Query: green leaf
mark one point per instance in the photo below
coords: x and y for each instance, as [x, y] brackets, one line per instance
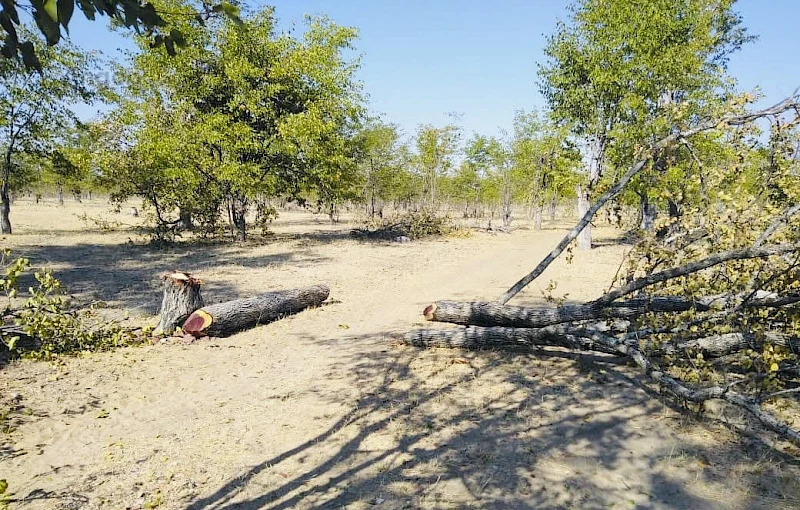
[65, 10]
[10, 10]
[3, 486]
[51, 8]
[47, 25]
[169, 45]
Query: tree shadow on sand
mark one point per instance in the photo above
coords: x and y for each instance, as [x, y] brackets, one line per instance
[529, 430]
[128, 275]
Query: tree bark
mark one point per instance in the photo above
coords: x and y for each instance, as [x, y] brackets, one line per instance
[494, 314]
[5, 199]
[224, 319]
[717, 346]
[585, 235]
[237, 207]
[537, 216]
[647, 213]
[181, 298]
[477, 337]
[5, 212]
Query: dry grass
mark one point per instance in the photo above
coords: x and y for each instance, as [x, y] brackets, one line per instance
[325, 410]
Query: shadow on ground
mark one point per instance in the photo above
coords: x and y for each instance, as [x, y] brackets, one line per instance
[448, 429]
[128, 275]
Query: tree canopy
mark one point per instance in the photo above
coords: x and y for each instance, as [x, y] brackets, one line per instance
[53, 17]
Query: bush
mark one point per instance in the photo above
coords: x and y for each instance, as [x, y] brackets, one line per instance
[414, 225]
[42, 326]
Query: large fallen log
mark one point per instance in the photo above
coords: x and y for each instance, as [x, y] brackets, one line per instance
[181, 298]
[494, 314]
[226, 318]
[477, 337]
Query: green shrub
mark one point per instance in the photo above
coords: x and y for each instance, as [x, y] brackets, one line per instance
[414, 225]
[43, 326]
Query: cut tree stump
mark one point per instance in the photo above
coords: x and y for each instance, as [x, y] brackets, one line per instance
[181, 298]
[226, 318]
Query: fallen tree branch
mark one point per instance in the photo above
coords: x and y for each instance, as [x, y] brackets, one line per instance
[716, 346]
[476, 337]
[693, 267]
[790, 103]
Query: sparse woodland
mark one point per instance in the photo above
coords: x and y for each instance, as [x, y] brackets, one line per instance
[219, 125]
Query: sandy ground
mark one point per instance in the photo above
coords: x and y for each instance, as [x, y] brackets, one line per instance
[325, 410]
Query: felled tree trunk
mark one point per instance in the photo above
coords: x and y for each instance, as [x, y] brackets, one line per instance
[493, 314]
[181, 298]
[226, 318]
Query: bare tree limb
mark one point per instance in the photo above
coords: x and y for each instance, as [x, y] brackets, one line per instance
[790, 103]
[779, 222]
[699, 265]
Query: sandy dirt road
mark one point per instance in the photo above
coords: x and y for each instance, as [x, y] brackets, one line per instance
[325, 410]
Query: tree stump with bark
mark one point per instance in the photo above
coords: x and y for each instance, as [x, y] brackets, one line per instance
[181, 298]
[224, 319]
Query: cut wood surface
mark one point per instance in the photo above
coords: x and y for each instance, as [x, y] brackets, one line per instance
[223, 319]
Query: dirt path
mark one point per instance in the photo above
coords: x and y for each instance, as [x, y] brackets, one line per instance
[322, 410]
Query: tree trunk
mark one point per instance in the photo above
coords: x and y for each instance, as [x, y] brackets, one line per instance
[647, 213]
[237, 206]
[181, 298]
[585, 237]
[60, 195]
[507, 200]
[674, 208]
[333, 212]
[5, 211]
[553, 205]
[224, 319]
[494, 314]
[185, 221]
[537, 216]
[372, 201]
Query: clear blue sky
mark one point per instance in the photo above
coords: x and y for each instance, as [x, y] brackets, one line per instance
[422, 59]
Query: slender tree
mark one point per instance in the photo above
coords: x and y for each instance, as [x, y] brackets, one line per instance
[36, 108]
[436, 149]
[622, 68]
